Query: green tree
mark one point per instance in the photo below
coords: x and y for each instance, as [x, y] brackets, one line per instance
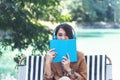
[19, 20]
[90, 11]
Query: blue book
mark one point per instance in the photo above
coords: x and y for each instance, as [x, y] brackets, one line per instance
[64, 47]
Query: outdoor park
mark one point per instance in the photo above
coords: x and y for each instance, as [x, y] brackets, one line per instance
[26, 28]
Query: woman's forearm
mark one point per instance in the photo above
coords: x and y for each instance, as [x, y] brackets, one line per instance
[47, 69]
[48, 74]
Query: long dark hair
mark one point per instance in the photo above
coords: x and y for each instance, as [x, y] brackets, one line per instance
[67, 28]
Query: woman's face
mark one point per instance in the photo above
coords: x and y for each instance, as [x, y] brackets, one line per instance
[61, 34]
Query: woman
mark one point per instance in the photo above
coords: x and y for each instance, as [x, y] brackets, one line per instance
[64, 70]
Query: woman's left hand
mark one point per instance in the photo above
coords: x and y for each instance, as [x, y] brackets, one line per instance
[66, 64]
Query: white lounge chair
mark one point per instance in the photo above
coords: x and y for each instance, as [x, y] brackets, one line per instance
[99, 67]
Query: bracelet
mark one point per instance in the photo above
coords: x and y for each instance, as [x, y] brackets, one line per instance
[71, 72]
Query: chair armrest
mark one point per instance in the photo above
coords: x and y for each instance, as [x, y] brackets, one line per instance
[20, 60]
[109, 60]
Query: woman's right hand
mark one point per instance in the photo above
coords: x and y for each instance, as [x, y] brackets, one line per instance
[50, 55]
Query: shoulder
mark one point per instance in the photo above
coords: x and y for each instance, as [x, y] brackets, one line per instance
[80, 55]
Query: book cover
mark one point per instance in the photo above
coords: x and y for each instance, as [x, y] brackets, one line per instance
[64, 47]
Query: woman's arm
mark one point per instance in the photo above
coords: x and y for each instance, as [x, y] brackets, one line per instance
[48, 74]
[47, 70]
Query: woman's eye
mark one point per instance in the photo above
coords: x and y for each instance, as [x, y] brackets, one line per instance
[59, 34]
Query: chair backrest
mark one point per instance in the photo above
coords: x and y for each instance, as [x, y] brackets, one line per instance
[96, 67]
[33, 70]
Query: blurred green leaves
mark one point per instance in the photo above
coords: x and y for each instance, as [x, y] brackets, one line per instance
[20, 20]
[91, 11]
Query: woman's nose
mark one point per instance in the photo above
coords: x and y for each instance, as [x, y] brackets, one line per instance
[63, 37]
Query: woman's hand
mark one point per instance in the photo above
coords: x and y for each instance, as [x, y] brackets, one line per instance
[50, 55]
[66, 64]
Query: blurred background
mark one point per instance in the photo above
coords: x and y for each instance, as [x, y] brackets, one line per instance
[26, 27]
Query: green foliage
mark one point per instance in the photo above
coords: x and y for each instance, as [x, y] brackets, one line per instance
[19, 19]
[90, 11]
[66, 17]
[0, 53]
